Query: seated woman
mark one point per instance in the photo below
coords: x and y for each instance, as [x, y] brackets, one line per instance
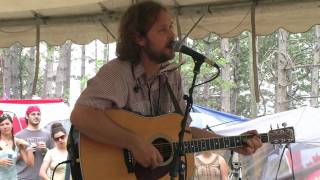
[10, 148]
[56, 155]
[209, 165]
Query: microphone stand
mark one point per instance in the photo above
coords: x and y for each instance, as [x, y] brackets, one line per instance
[177, 165]
[236, 167]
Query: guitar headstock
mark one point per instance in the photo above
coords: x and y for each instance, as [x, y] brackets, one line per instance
[282, 135]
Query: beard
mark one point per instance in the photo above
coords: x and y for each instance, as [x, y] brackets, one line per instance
[157, 56]
[33, 123]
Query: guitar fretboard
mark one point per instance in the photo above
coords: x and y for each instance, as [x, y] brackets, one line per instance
[198, 145]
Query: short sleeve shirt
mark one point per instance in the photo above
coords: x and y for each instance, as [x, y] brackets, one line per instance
[119, 84]
[32, 173]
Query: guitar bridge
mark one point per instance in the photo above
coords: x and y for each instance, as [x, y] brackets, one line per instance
[129, 161]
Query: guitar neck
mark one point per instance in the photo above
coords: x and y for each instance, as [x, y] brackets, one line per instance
[198, 145]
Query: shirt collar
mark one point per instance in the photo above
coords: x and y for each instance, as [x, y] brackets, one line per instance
[165, 67]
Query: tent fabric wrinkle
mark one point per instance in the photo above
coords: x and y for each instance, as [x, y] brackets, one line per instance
[80, 20]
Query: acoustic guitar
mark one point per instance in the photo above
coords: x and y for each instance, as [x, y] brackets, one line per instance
[102, 161]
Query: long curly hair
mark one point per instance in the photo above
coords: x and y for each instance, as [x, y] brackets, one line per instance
[8, 117]
[137, 20]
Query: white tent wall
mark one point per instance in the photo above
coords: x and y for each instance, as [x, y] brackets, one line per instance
[84, 20]
[264, 163]
[50, 112]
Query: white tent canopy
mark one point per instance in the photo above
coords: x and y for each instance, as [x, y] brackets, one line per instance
[84, 20]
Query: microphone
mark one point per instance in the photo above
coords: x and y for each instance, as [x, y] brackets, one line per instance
[178, 47]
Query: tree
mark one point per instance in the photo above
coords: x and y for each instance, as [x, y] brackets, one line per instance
[83, 66]
[225, 76]
[282, 81]
[49, 75]
[315, 70]
[63, 72]
[236, 77]
[253, 103]
[30, 67]
[11, 71]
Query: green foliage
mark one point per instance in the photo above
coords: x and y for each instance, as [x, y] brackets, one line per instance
[83, 81]
[23, 73]
[66, 95]
[300, 53]
[99, 63]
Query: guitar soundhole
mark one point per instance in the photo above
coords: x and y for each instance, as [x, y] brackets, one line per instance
[164, 147]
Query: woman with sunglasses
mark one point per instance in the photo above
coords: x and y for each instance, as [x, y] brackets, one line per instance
[11, 149]
[56, 155]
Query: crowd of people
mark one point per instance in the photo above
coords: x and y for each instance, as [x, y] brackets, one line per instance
[34, 153]
[29, 154]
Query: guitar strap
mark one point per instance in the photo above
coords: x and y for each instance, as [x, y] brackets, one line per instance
[73, 153]
[174, 99]
[67, 173]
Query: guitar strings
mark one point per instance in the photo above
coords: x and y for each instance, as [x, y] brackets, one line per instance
[165, 148]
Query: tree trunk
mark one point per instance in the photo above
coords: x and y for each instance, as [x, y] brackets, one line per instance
[225, 76]
[30, 67]
[6, 74]
[253, 103]
[49, 75]
[67, 74]
[106, 53]
[236, 77]
[63, 71]
[12, 71]
[315, 70]
[1, 74]
[282, 82]
[96, 55]
[83, 66]
[206, 86]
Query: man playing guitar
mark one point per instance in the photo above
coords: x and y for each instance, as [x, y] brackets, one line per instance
[133, 82]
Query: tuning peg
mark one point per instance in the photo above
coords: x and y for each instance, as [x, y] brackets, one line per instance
[284, 124]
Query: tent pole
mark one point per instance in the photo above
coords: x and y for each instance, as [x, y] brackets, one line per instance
[254, 50]
[179, 36]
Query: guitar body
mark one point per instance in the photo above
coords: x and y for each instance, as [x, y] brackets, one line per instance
[103, 161]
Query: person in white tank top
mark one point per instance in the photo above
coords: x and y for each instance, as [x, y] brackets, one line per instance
[209, 166]
[56, 155]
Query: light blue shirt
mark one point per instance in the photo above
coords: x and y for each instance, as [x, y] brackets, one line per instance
[9, 173]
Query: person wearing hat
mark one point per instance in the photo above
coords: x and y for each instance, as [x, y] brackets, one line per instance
[40, 141]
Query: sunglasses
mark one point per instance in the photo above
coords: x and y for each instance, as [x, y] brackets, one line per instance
[58, 138]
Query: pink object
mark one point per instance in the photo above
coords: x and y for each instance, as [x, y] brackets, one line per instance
[18, 124]
[32, 109]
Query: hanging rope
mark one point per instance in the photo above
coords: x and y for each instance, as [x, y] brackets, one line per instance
[192, 28]
[179, 35]
[254, 50]
[108, 30]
